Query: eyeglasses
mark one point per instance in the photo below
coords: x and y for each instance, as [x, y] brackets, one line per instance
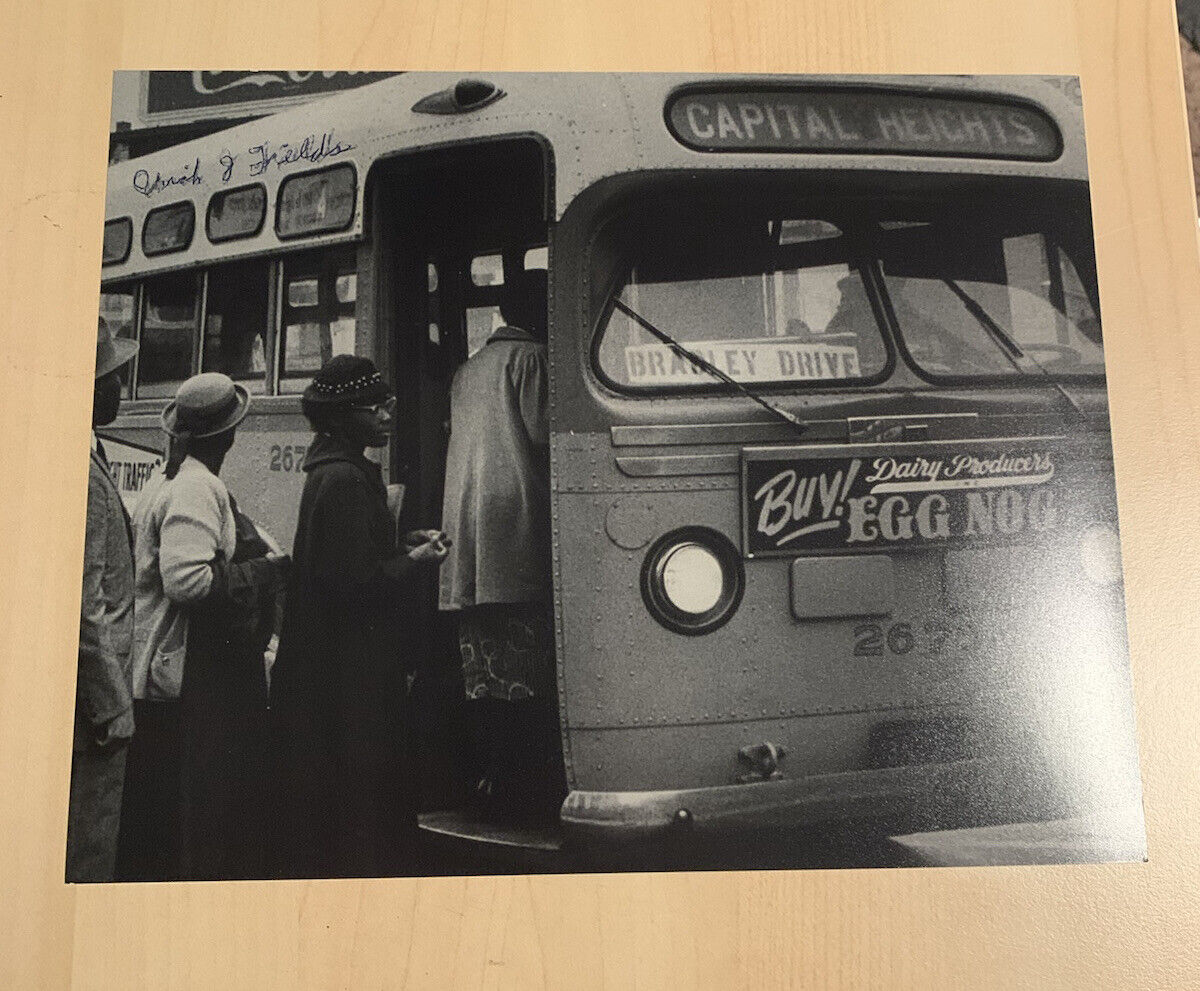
[387, 406]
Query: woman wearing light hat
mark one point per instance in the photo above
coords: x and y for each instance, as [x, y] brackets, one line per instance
[206, 580]
[346, 802]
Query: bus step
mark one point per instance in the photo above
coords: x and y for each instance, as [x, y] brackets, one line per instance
[462, 825]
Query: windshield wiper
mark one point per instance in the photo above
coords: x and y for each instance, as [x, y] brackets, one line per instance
[1011, 349]
[706, 366]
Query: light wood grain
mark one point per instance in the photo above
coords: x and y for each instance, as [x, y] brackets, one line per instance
[1129, 926]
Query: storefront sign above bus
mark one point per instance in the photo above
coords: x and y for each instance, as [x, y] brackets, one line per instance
[858, 122]
[911, 496]
[202, 93]
[744, 361]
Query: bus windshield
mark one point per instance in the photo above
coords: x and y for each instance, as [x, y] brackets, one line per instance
[990, 303]
[784, 303]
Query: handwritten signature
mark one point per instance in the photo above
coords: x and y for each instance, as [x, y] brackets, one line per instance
[148, 185]
[312, 149]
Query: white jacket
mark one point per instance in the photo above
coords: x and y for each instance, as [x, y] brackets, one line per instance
[179, 527]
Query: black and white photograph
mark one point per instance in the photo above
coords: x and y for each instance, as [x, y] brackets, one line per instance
[511, 473]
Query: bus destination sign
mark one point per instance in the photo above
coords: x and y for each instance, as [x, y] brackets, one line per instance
[762, 360]
[858, 122]
[911, 497]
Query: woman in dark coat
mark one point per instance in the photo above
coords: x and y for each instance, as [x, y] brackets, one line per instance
[346, 803]
[223, 714]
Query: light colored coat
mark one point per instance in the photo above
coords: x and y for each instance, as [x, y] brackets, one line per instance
[496, 507]
[179, 527]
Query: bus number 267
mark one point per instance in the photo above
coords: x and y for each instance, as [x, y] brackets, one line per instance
[287, 457]
[876, 639]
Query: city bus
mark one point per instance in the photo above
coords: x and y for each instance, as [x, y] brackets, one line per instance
[833, 517]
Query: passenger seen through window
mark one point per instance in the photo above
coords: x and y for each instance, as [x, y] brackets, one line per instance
[235, 324]
[168, 334]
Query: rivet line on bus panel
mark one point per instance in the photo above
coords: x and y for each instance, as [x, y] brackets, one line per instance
[634, 129]
[625, 486]
[560, 640]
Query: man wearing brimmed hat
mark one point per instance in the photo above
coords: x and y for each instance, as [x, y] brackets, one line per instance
[185, 536]
[103, 692]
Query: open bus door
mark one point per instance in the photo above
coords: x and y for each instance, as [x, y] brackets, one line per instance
[454, 228]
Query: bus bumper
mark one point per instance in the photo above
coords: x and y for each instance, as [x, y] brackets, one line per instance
[984, 790]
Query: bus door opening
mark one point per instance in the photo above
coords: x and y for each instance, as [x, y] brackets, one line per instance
[459, 229]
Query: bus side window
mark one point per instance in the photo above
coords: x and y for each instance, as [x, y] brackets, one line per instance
[235, 323]
[482, 322]
[487, 281]
[118, 309]
[319, 295]
[168, 344]
[483, 313]
[433, 303]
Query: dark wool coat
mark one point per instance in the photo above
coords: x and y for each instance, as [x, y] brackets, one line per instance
[223, 716]
[345, 802]
[194, 805]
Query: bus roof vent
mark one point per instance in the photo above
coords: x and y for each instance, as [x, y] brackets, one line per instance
[463, 97]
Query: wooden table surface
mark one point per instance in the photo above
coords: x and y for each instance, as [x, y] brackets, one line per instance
[1121, 926]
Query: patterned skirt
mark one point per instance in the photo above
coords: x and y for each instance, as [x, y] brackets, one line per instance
[507, 650]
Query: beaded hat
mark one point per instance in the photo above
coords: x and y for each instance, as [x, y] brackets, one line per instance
[347, 379]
